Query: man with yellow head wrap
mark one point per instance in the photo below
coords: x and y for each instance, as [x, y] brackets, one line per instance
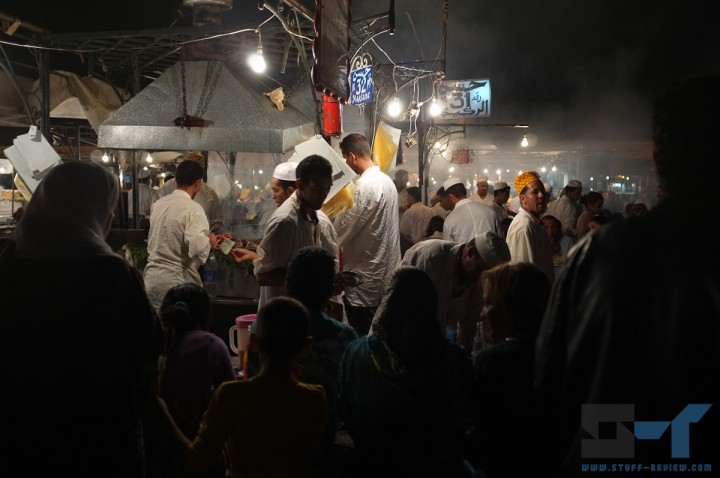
[526, 236]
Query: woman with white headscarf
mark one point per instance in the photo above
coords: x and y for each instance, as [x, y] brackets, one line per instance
[79, 342]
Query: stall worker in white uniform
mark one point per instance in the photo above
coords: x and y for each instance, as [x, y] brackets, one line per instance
[206, 197]
[283, 182]
[298, 222]
[179, 240]
[146, 196]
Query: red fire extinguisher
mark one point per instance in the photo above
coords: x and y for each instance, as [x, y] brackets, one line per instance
[332, 121]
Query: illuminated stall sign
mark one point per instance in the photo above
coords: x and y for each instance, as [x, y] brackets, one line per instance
[465, 98]
[361, 79]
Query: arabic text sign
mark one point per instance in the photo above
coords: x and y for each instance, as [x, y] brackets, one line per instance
[465, 97]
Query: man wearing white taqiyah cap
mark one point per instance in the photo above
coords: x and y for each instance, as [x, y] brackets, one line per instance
[501, 195]
[455, 269]
[296, 223]
[567, 208]
[483, 192]
[146, 197]
[467, 218]
[283, 181]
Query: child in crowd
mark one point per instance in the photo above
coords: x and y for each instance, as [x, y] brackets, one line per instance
[270, 414]
[194, 363]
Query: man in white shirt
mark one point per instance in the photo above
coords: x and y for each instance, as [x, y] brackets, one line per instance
[298, 222]
[146, 197]
[368, 232]
[567, 208]
[526, 236]
[455, 269]
[415, 219]
[501, 194]
[468, 218]
[284, 181]
[179, 240]
[401, 180]
[207, 198]
[438, 204]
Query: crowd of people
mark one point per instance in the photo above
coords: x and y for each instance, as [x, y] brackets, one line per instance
[588, 321]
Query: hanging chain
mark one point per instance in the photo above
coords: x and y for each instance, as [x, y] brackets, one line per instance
[212, 73]
[297, 85]
[182, 76]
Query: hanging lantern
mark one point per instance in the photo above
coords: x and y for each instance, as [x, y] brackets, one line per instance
[332, 121]
[461, 155]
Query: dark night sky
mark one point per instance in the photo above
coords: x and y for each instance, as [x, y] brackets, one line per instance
[573, 67]
[576, 67]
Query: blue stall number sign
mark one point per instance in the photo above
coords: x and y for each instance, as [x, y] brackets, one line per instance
[361, 80]
[465, 97]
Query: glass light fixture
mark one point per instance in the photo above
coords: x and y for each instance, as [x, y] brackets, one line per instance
[105, 157]
[149, 158]
[524, 142]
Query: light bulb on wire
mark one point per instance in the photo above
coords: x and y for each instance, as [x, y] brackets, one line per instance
[524, 142]
[435, 108]
[105, 157]
[394, 108]
[149, 158]
[257, 60]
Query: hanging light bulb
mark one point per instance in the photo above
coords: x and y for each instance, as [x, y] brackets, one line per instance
[435, 108]
[524, 142]
[149, 158]
[257, 60]
[105, 157]
[394, 108]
